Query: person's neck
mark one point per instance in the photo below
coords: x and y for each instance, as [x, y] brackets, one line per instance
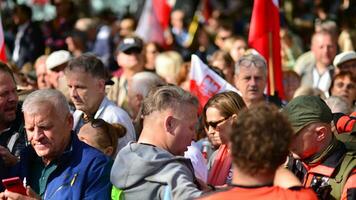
[243, 179]
[321, 68]
[146, 137]
[91, 112]
[250, 102]
[128, 73]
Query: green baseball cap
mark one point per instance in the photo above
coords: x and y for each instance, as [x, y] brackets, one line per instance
[304, 110]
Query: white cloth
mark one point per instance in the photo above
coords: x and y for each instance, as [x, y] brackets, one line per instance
[198, 161]
[19, 35]
[111, 113]
[322, 81]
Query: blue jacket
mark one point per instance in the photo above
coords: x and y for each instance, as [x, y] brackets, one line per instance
[82, 173]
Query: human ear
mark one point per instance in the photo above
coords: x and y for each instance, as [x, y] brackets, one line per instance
[108, 151]
[169, 124]
[321, 132]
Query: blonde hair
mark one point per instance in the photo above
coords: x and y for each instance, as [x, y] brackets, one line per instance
[168, 65]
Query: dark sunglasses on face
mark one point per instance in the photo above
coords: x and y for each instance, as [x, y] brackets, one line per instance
[216, 123]
[247, 63]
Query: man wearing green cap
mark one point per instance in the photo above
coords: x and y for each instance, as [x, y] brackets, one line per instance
[322, 162]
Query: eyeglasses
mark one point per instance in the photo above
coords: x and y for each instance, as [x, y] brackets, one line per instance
[98, 123]
[216, 123]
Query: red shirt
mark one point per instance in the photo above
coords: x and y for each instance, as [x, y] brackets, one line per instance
[262, 193]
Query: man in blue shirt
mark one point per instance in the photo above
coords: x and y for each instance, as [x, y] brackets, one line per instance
[57, 165]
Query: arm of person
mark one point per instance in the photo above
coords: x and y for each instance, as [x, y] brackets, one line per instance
[349, 190]
[98, 184]
[285, 178]
[9, 159]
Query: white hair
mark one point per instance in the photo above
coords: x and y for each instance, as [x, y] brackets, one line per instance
[338, 104]
[143, 82]
[253, 57]
[37, 98]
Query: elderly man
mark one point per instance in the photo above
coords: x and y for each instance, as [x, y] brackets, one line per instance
[86, 77]
[250, 79]
[56, 63]
[12, 133]
[323, 162]
[257, 154]
[41, 72]
[154, 168]
[346, 61]
[58, 165]
[138, 87]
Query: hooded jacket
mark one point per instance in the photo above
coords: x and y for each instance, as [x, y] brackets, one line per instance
[144, 171]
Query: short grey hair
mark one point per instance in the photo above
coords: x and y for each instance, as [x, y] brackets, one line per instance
[89, 63]
[143, 82]
[338, 104]
[254, 58]
[55, 98]
[165, 97]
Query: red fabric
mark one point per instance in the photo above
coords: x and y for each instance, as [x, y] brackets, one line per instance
[206, 9]
[263, 193]
[2, 45]
[204, 82]
[264, 37]
[221, 167]
[345, 124]
[162, 10]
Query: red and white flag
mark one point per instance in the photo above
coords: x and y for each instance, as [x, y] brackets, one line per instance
[204, 82]
[264, 37]
[2, 44]
[153, 21]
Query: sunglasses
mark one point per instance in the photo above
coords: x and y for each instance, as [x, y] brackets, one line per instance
[100, 123]
[216, 123]
[247, 63]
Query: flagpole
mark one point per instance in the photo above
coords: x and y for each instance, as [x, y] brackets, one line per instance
[270, 64]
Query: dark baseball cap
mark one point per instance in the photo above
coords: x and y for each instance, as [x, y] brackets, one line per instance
[304, 110]
[130, 43]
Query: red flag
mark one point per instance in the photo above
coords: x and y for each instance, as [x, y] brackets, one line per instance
[264, 37]
[204, 82]
[153, 21]
[2, 44]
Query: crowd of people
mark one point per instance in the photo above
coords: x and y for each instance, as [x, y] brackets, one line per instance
[91, 110]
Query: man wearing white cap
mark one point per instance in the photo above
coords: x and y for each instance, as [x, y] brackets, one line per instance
[346, 61]
[56, 62]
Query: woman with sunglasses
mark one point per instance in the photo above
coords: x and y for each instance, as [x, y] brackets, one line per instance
[218, 114]
[102, 135]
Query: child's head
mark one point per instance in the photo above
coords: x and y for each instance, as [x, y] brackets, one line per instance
[102, 135]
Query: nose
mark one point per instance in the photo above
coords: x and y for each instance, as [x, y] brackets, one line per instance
[210, 130]
[73, 92]
[252, 81]
[37, 134]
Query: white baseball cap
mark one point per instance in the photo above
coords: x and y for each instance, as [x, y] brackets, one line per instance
[57, 58]
[344, 57]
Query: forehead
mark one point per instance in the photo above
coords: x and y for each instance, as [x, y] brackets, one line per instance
[343, 79]
[251, 70]
[43, 111]
[212, 113]
[79, 74]
[322, 39]
[6, 80]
